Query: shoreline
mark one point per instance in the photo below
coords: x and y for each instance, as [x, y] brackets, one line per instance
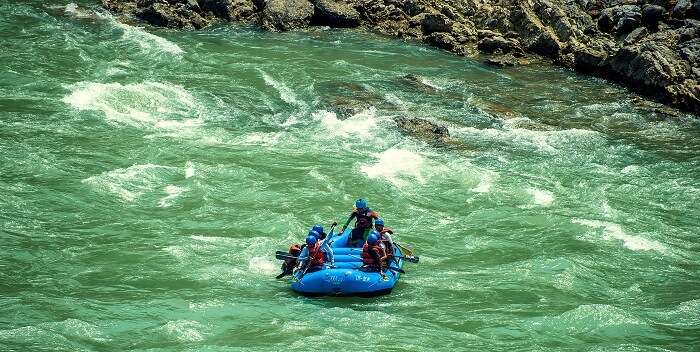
[652, 50]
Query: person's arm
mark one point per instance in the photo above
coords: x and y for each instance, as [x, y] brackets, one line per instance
[352, 216]
[326, 248]
[303, 256]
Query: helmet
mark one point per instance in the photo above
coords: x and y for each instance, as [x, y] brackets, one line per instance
[311, 240]
[314, 234]
[373, 237]
[360, 204]
[318, 228]
[379, 221]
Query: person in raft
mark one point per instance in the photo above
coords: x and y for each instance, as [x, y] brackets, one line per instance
[315, 254]
[385, 237]
[373, 255]
[288, 265]
[364, 217]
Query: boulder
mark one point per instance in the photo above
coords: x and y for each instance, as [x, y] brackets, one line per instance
[505, 60]
[422, 128]
[652, 15]
[682, 9]
[164, 15]
[443, 40]
[231, 10]
[620, 19]
[436, 22]
[635, 35]
[498, 44]
[335, 14]
[284, 15]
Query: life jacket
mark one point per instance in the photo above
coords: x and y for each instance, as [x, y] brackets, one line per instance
[289, 264]
[316, 255]
[364, 218]
[367, 258]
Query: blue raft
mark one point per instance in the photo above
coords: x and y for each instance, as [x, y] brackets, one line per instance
[347, 278]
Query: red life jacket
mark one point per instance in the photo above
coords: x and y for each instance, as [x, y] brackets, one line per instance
[367, 258]
[316, 255]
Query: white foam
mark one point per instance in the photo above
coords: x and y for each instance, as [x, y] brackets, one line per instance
[541, 197]
[429, 83]
[144, 104]
[614, 231]
[484, 185]
[147, 41]
[285, 92]
[394, 164]
[261, 265]
[360, 125]
[129, 183]
[72, 8]
[630, 169]
[189, 169]
[172, 193]
[185, 330]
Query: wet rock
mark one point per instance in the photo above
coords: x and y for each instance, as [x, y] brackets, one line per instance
[498, 44]
[335, 14]
[652, 15]
[285, 15]
[620, 19]
[443, 41]
[180, 16]
[682, 9]
[347, 99]
[422, 128]
[436, 23]
[505, 60]
[635, 35]
[230, 10]
[416, 82]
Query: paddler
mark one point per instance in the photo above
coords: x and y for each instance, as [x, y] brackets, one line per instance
[385, 237]
[364, 216]
[315, 254]
[373, 255]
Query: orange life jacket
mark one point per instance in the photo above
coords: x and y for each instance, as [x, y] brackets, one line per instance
[316, 255]
[367, 258]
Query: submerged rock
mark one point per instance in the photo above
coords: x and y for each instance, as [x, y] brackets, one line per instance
[422, 128]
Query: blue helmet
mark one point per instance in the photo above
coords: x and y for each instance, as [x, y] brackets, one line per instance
[311, 240]
[379, 221]
[373, 237]
[318, 228]
[361, 204]
[315, 234]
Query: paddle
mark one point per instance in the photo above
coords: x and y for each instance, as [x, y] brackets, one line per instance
[283, 256]
[404, 249]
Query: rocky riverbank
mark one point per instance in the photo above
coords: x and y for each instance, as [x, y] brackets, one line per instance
[653, 47]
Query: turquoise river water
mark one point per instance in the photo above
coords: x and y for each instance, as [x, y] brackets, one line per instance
[148, 176]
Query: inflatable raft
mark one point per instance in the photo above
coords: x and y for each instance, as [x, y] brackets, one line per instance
[348, 278]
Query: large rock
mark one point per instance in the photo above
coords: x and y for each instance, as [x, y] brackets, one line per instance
[335, 14]
[181, 15]
[231, 10]
[422, 128]
[652, 15]
[284, 15]
[436, 22]
[620, 19]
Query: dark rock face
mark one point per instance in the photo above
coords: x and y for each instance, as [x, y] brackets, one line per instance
[649, 45]
[284, 15]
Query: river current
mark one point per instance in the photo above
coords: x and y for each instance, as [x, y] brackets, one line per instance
[149, 175]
